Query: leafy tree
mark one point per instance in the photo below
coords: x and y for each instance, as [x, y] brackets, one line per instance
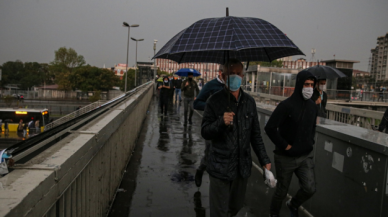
[12, 72]
[130, 80]
[25, 75]
[65, 62]
[89, 78]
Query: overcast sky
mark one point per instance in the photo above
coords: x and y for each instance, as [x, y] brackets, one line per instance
[32, 30]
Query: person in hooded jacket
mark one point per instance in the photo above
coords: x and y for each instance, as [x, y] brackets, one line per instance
[164, 95]
[291, 128]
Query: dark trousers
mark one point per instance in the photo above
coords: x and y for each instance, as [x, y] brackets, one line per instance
[188, 104]
[303, 167]
[381, 96]
[203, 164]
[164, 105]
[226, 197]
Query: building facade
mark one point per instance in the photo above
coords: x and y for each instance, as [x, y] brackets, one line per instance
[208, 70]
[300, 64]
[379, 59]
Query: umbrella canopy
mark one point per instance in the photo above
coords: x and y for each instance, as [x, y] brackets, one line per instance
[215, 40]
[184, 72]
[160, 79]
[326, 72]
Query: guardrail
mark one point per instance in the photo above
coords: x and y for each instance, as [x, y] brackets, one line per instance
[88, 108]
[354, 116]
[351, 165]
[79, 175]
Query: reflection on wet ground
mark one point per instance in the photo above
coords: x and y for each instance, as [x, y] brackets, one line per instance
[10, 138]
[160, 175]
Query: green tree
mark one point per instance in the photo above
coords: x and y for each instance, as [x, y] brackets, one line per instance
[130, 80]
[65, 62]
[90, 78]
[160, 72]
[12, 72]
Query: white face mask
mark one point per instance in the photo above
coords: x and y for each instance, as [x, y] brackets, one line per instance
[307, 92]
[322, 87]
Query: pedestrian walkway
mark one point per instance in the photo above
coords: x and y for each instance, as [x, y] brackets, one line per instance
[159, 179]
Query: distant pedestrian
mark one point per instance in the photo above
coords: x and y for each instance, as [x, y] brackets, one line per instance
[172, 88]
[230, 161]
[6, 121]
[320, 97]
[178, 90]
[164, 96]
[384, 122]
[381, 94]
[291, 128]
[190, 92]
[1, 125]
[20, 126]
[25, 129]
[37, 127]
[208, 90]
[31, 126]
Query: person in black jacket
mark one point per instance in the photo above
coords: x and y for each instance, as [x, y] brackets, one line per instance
[209, 89]
[384, 122]
[320, 97]
[164, 95]
[291, 128]
[178, 91]
[230, 161]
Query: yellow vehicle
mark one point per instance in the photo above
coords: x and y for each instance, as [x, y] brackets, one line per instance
[13, 116]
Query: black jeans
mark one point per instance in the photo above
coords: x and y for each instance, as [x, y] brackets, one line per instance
[188, 104]
[164, 105]
[226, 197]
[303, 167]
[203, 164]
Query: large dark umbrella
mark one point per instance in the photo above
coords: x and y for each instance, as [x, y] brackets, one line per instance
[215, 40]
[326, 72]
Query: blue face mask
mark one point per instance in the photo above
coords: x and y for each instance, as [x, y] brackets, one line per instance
[235, 82]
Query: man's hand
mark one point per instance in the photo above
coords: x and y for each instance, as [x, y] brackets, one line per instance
[195, 98]
[187, 83]
[318, 101]
[160, 87]
[267, 166]
[228, 117]
[288, 147]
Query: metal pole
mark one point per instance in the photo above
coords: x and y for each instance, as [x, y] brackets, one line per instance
[126, 66]
[136, 65]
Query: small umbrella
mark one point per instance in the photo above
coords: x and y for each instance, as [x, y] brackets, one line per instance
[326, 72]
[160, 79]
[184, 72]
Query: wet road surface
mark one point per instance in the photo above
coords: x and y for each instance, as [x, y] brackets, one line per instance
[159, 179]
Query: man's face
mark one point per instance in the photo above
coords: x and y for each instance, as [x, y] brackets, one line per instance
[322, 82]
[308, 83]
[233, 70]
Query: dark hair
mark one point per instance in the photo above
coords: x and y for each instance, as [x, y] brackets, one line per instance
[190, 73]
[232, 62]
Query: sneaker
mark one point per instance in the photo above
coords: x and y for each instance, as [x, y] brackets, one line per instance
[198, 178]
[293, 211]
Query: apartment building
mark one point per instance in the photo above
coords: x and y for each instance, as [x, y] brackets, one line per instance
[379, 59]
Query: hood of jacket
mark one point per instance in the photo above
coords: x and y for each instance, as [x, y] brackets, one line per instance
[300, 79]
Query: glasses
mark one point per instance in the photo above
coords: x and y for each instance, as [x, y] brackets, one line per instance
[308, 84]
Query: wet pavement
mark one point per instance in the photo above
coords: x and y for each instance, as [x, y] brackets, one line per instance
[159, 179]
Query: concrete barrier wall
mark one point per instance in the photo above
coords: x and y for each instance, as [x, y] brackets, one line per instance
[350, 167]
[79, 175]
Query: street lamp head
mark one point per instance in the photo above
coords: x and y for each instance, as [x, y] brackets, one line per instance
[155, 41]
[125, 24]
[141, 39]
[135, 25]
[133, 39]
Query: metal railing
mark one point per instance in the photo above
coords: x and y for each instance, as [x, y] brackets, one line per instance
[365, 118]
[88, 108]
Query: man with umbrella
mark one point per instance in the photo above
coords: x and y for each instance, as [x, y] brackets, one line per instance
[190, 92]
[231, 122]
[320, 97]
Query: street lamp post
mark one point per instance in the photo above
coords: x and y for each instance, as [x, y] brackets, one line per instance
[136, 57]
[155, 58]
[126, 67]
